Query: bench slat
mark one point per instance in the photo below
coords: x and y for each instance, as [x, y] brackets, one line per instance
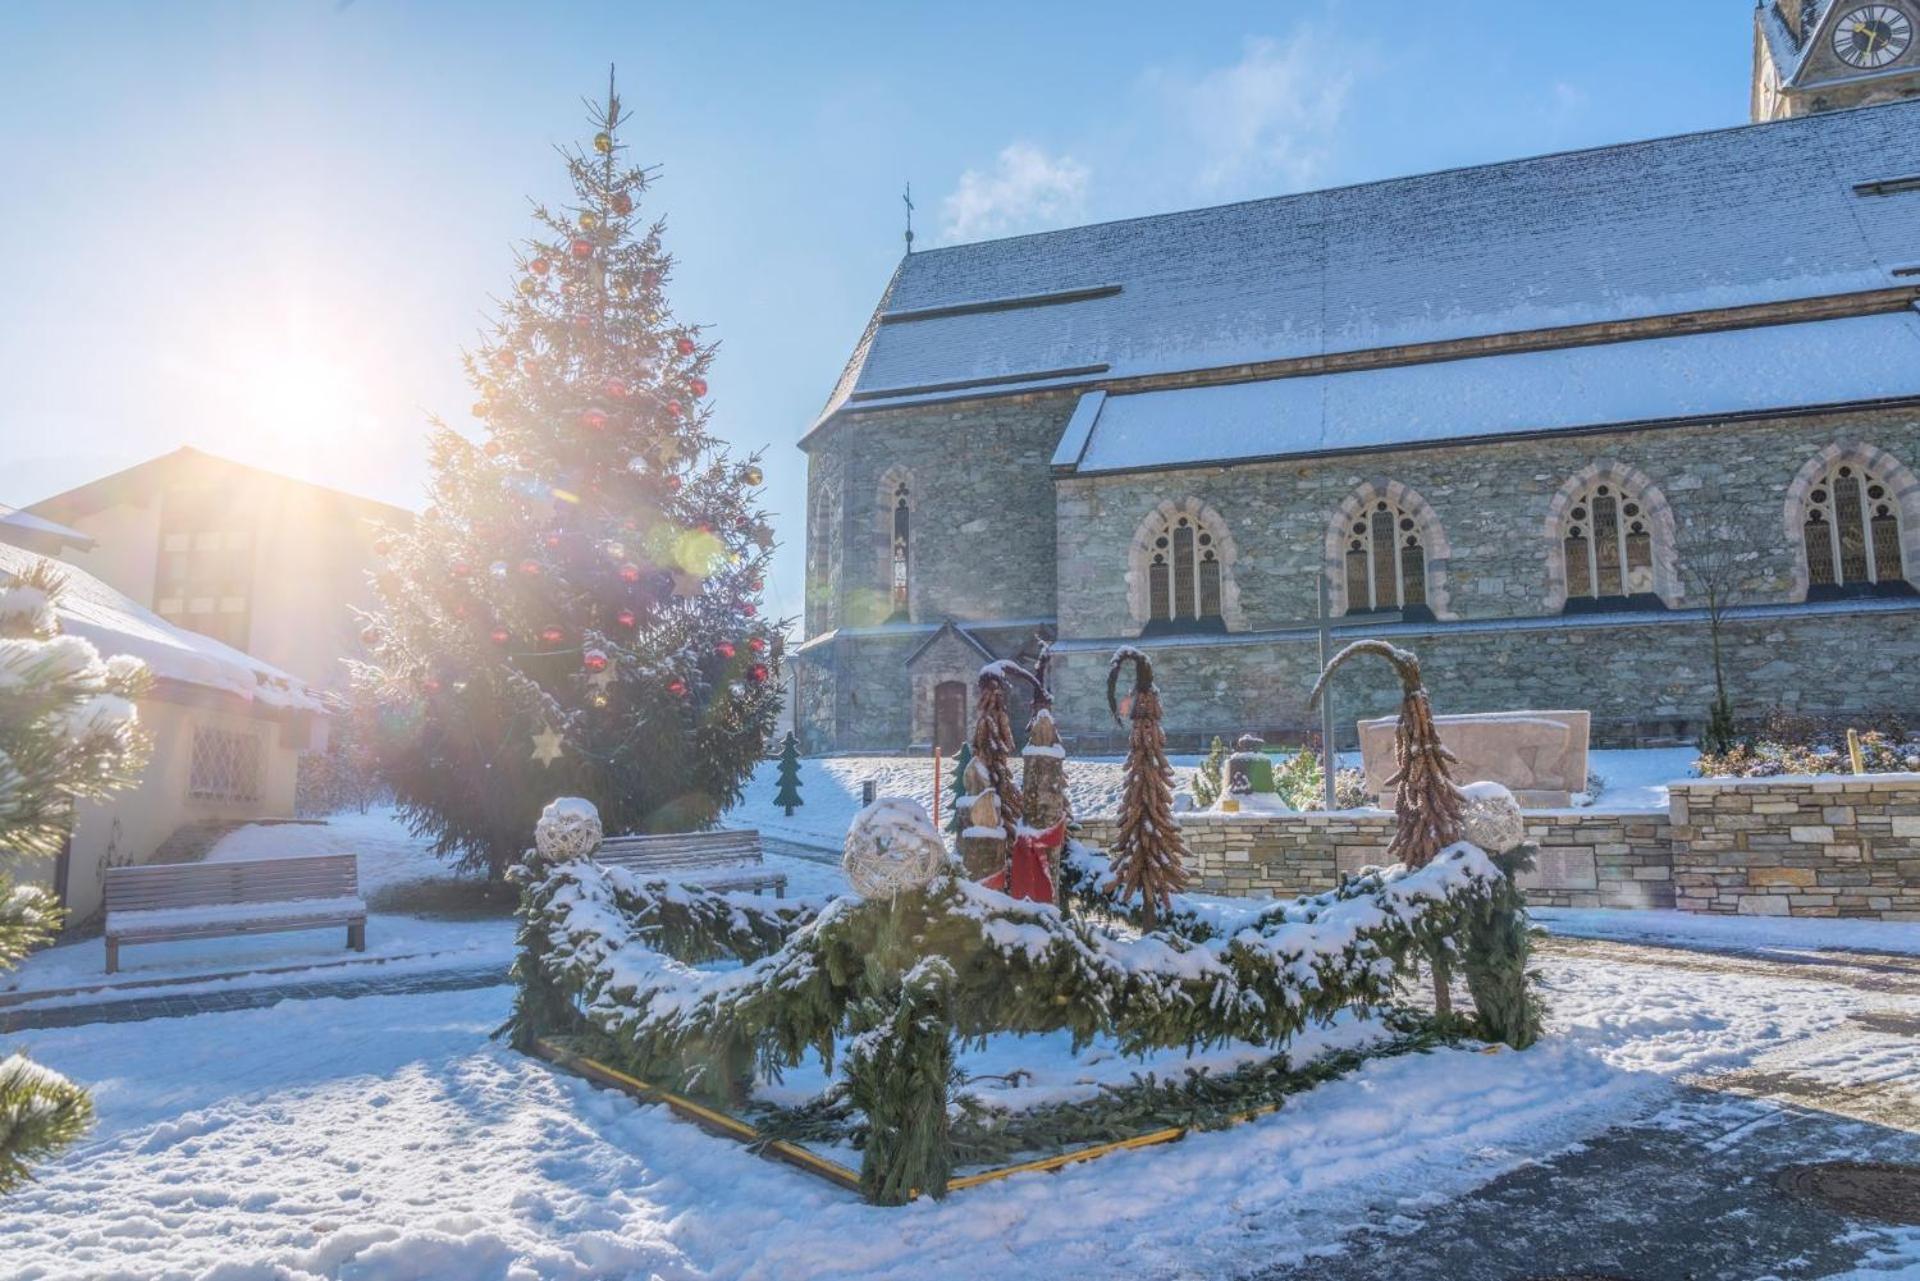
[722, 860]
[326, 879]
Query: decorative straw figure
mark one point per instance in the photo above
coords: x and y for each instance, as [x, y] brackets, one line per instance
[996, 800]
[1428, 808]
[1149, 855]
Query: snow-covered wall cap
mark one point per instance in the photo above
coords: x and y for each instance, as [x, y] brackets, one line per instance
[117, 625]
[1757, 214]
[1775, 780]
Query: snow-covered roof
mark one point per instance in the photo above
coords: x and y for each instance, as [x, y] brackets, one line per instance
[38, 528]
[117, 625]
[1758, 214]
[1713, 375]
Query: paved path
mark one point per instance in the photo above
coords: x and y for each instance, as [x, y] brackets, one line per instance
[1685, 1195]
[163, 1005]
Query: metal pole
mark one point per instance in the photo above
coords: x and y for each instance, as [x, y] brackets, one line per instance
[1326, 696]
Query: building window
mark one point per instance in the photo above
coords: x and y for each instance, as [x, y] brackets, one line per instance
[1852, 534]
[1607, 543]
[204, 580]
[1386, 561]
[1183, 578]
[902, 527]
[225, 767]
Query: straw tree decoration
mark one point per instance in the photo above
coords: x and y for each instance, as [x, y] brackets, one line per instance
[1427, 806]
[994, 796]
[1149, 856]
[1043, 779]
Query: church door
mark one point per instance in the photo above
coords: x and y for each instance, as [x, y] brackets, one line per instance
[949, 716]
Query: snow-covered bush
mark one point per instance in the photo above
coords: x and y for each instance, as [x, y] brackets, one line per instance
[1797, 744]
[1302, 784]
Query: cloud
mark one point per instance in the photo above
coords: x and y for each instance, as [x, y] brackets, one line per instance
[1027, 190]
[1270, 115]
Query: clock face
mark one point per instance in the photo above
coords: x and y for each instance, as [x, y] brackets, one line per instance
[1872, 36]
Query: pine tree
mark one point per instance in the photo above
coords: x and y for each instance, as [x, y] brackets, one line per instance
[1149, 854]
[1211, 777]
[68, 732]
[789, 797]
[576, 611]
[957, 785]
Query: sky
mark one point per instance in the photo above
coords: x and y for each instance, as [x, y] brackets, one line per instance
[267, 229]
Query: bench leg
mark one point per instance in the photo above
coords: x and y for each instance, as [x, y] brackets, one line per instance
[357, 937]
[113, 956]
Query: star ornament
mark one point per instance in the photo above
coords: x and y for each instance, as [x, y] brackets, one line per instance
[546, 746]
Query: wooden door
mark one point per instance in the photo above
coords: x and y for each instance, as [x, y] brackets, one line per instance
[949, 716]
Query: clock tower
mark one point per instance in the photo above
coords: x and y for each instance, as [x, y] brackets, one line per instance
[1821, 55]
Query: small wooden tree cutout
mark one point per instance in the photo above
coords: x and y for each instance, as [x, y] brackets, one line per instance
[1427, 805]
[1149, 854]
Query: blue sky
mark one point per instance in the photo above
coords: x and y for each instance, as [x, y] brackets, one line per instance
[266, 229]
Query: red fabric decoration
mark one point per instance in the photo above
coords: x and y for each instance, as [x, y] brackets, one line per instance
[1029, 871]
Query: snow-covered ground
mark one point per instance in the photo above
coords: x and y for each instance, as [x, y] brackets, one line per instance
[387, 1137]
[830, 787]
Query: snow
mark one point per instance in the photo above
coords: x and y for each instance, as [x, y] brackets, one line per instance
[1699, 375]
[388, 854]
[1745, 932]
[1645, 229]
[387, 1137]
[117, 626]
[228, 913]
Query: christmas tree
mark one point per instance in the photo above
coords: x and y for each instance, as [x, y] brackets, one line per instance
[789, 797]
[1211, 778]
[1149, 854]
[957, 786]
[576, 612]
[68, 733]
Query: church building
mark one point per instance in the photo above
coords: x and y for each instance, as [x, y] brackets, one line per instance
[1555, 424]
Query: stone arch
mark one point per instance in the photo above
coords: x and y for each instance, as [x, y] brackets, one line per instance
[1141, 551]
[1901, 483]
[1438, 552]
[1635, 484]
[895, 483]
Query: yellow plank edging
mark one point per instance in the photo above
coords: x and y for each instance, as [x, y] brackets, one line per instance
[833, 1171]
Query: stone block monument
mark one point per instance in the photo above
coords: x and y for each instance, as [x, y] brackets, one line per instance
[1541, 757]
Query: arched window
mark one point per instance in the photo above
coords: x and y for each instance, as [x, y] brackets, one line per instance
[1852, 533]
[1608, 544]
[1180, 575]
[1386, 561]
[902, 522]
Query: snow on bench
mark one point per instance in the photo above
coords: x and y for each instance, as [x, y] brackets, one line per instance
[164, 902]
[727, 860]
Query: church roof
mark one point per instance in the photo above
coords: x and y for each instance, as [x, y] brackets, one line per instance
[1758, 214]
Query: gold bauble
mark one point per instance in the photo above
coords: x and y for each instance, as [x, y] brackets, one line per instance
[603, 142]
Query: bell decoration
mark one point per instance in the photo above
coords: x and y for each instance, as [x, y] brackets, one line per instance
[594, 661]
[684, 346]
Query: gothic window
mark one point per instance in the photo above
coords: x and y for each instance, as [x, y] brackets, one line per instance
[1386, 561]
[902, 518]
[1607, 540]
[1852, 534]
[1185, 588]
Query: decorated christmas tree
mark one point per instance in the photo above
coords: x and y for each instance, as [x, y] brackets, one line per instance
[1148, 854]
[789, 797]
[68, 732]
[576, 612]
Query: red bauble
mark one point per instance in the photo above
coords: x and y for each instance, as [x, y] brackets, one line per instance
[582, 248]
[552, 635]
[675, 408]
[531, 568]
[748, 609]
[684, 346]
[502, 359]
[759, 673]
[698, 386]
[431, 685]
[625, 618]
[539, 266]
[594, 661]
[629, 573]
[382, 546]
[594, 419]
[553, 542]
[499, 636]
[677, 688]
[491, 449]
[754, 584]
[673, 484]
[725, 649]
[616, 388]
[479, 409]
[758, 644]
[369, 635]
[531, 365]
[583, 322]
[460, 569]
[622, 203]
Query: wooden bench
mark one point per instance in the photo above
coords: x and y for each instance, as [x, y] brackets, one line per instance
[163, 902]
[711, 860]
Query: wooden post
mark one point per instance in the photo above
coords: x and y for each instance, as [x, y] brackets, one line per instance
[1854, 757]
[1328, 765]
[937, 824]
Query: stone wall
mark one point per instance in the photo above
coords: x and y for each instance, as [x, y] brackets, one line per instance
[1782, 847]
[1587, 858]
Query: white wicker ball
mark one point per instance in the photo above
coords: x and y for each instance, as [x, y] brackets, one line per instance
[1492, 818]
[569, 828]
[892, 846]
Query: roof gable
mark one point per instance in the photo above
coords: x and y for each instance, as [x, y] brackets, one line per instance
[150, 476]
